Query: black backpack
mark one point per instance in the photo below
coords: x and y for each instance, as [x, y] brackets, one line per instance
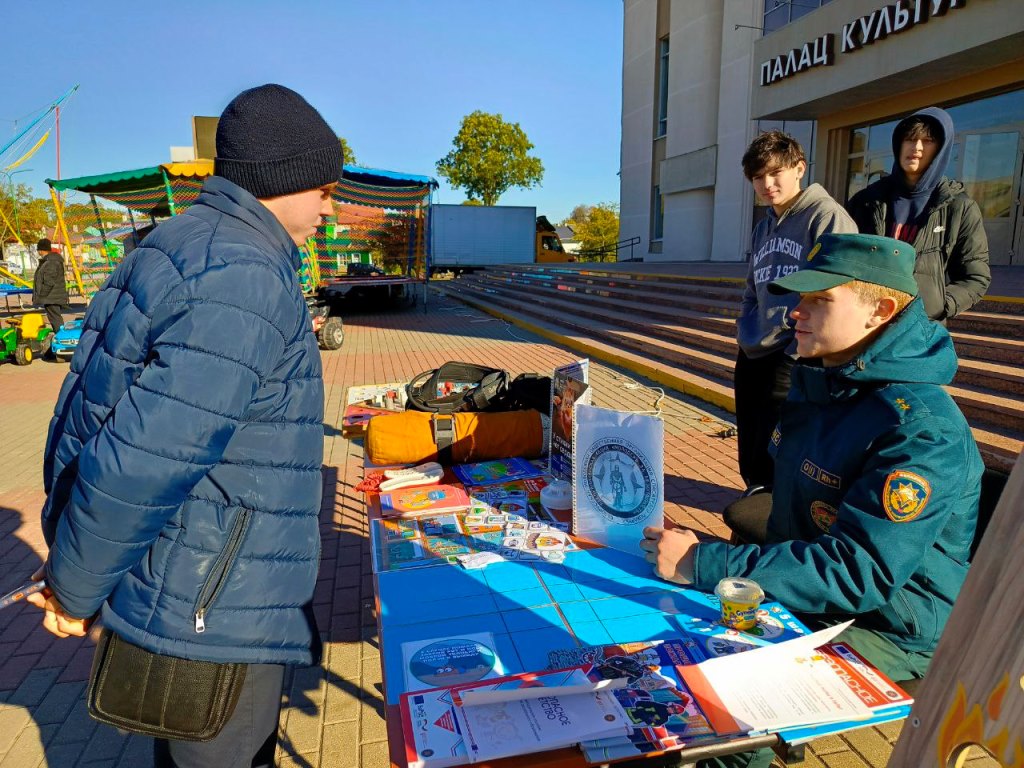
[458, 387]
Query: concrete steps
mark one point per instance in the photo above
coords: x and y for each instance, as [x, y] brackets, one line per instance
[581, 337]
[680, 330]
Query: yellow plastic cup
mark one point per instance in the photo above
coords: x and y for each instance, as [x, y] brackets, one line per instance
[740, 600]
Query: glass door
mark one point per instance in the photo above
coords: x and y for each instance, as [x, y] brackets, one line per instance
[991, 171]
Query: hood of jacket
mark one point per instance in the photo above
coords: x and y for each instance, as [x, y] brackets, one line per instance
[814, 194]
[910, 201]
[911, 350]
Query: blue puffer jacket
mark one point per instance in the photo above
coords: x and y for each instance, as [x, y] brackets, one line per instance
[183, 461]
[875, 503]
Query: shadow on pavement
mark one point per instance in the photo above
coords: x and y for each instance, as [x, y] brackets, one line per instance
[44, 677]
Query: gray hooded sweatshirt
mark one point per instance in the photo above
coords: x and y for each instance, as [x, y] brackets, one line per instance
[779, 246]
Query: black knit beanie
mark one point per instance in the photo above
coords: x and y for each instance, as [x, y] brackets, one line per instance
[271, 142]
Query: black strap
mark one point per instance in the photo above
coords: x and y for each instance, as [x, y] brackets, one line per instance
[442, 427]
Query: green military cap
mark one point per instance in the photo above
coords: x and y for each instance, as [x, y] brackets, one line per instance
[837, 259]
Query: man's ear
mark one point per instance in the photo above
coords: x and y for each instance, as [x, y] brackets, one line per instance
[885, 310]
[801, 168]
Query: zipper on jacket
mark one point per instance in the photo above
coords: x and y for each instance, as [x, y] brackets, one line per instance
[219, 573]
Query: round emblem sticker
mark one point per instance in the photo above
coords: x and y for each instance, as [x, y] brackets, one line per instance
[451, 662]
[620, 481]
[823, 515]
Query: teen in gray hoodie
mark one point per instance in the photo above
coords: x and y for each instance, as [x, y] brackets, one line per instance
[781, 242]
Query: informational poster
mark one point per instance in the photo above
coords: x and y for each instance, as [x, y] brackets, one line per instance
[564, 397]
[618, 476]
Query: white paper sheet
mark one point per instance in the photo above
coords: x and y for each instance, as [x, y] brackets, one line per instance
[779, 686]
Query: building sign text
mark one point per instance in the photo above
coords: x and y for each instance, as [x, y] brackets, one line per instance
[870, 28]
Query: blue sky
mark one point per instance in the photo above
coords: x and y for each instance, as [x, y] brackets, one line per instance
[395, 77]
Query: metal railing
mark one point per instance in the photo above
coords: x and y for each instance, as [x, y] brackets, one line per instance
[606, 250]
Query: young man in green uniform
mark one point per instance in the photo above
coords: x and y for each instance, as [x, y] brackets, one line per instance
[877, 475]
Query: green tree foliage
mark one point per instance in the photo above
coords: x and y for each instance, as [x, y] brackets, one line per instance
[597, 230]
[30, 215]
[389, 243]
[350, 155]
[471, 201]
[488, 157]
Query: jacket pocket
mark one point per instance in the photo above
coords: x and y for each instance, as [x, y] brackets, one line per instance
[218, 576]
[905, 612]
[930, 274]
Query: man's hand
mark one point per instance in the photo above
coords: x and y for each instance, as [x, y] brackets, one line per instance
[54, 618]
[671, 552]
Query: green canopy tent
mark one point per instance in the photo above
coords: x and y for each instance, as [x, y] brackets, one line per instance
[170, 188]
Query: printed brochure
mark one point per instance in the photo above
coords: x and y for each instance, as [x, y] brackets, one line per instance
[531, 486]
[832, 689]
[560, 446]
[437, 732]
[497, 471]
[664, 714]
[423, 499]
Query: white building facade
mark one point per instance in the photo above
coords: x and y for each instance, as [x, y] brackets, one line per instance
[701, 78]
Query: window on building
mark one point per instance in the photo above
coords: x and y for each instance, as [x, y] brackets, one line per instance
[662, 87]
[779, 13]
[657, 214]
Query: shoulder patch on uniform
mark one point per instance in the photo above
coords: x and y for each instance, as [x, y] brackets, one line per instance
[905, 495]
[903, 402]
[814, 251]
[824, 515]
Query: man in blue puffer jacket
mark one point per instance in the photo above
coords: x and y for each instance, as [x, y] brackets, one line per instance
[183, 461]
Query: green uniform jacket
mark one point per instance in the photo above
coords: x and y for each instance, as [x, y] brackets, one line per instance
[877, 478]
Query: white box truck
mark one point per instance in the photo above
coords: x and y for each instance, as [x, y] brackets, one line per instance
[468, 237]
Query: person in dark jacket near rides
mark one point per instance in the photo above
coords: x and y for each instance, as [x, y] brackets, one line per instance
[919, 205]
[183, 462]
[49, 285]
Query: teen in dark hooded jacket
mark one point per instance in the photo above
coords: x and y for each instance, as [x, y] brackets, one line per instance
[919, 205]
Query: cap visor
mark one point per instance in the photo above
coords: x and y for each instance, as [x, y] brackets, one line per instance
[807, 281]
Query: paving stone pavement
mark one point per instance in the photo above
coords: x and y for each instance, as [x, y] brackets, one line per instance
[333, 714]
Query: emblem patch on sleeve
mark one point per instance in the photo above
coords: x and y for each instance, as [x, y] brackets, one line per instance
[905, 495]
[823, 515]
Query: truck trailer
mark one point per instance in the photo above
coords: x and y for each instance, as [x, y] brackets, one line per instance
[464, 238]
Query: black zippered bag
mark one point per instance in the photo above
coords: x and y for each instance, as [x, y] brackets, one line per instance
[477, 388]
[161, 696]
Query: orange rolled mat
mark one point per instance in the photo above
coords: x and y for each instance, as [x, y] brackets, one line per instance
[408, 438]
